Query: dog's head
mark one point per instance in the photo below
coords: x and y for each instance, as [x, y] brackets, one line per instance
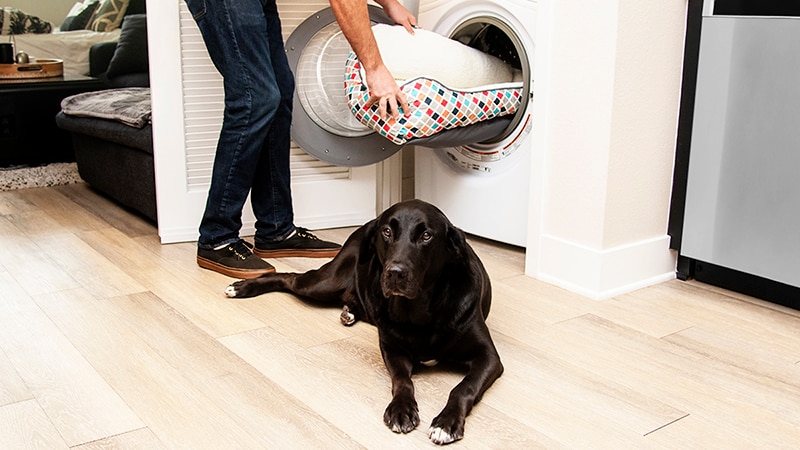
[414, 242]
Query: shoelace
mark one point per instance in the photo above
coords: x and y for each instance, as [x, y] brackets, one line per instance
[241, 249]
[304, 233]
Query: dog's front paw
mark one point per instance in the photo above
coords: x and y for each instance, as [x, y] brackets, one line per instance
[237, 289]
[446, 428]
[230, 291]
[402, 415]
[347, 317]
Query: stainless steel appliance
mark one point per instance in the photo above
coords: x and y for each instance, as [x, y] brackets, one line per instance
[737, 222]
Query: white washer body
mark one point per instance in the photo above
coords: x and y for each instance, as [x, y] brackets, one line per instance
[483, 189]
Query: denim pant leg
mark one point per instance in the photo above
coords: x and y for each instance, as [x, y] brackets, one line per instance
[242, 37]
[271, 196]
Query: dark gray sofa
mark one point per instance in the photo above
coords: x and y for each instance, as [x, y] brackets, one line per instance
[114, 158]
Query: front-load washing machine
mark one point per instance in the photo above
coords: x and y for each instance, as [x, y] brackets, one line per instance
[483, 188]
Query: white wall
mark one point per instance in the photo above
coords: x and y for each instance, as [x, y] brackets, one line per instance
[608, 84]
[51, 10]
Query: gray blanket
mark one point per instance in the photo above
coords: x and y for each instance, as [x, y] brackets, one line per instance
[130, 106]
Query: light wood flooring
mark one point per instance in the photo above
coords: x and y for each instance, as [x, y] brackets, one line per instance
[110, 340]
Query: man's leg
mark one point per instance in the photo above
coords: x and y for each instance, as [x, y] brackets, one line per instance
[235, 33]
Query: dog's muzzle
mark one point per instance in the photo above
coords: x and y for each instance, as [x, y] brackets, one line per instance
[396, 279]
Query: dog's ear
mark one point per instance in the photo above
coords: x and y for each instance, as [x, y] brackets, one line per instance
[368, 246]
[456, 240]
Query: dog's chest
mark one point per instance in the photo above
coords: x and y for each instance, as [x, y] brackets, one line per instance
[402, 311]
[413, 328]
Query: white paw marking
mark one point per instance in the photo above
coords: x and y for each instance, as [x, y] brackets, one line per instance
[347, 317]
[430, 363]
[230, 291]
[439, 436]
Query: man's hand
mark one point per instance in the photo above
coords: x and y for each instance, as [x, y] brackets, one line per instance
[353, 18]
[383, 88]
[401, 16]
[384, 91]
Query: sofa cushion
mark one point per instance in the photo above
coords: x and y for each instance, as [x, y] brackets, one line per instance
[136, 7]
[130, 80]
[108, 15]
[108, 130]
[130, 56]
[72, 47]
[79, 16]
[14, 21]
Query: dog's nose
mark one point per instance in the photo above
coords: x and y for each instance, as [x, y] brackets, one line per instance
[395, 272]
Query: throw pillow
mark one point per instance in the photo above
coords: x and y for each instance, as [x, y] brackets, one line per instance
[14, 21]
[131, 53]
[78, 18]
[108, 15]
[76, 8]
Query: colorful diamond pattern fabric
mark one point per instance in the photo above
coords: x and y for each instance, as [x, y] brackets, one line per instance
[435, 107]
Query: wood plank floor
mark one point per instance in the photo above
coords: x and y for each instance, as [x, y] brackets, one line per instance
[109, 339]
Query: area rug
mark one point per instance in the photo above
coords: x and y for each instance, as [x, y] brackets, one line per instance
[54, 174]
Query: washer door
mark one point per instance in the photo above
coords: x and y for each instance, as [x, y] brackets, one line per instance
[322, 124]
[503, 29]
[496, 36]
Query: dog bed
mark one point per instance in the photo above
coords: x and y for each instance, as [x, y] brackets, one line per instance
[448, 84]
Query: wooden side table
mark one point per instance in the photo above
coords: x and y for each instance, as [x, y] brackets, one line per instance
[28, 107]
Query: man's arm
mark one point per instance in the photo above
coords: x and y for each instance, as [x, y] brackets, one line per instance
[353, 19]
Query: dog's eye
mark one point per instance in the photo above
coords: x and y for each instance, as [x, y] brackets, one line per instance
[387, 232]
[426, 236]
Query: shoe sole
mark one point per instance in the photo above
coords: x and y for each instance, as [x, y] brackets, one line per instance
[232, 272]
[297, 253]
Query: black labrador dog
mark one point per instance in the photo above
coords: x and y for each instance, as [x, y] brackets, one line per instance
[412, 274]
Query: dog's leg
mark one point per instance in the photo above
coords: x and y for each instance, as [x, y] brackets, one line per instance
[328, 284]
[402, 414]
[448, 426]
[270, 282]
[321, 284]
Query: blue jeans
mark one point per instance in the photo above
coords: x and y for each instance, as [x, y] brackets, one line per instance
[243, 38]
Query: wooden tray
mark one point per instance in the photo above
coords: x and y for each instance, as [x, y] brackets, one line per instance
[39, 68]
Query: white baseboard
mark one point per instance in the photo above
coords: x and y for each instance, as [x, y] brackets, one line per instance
[605, 273]
[177, 234]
